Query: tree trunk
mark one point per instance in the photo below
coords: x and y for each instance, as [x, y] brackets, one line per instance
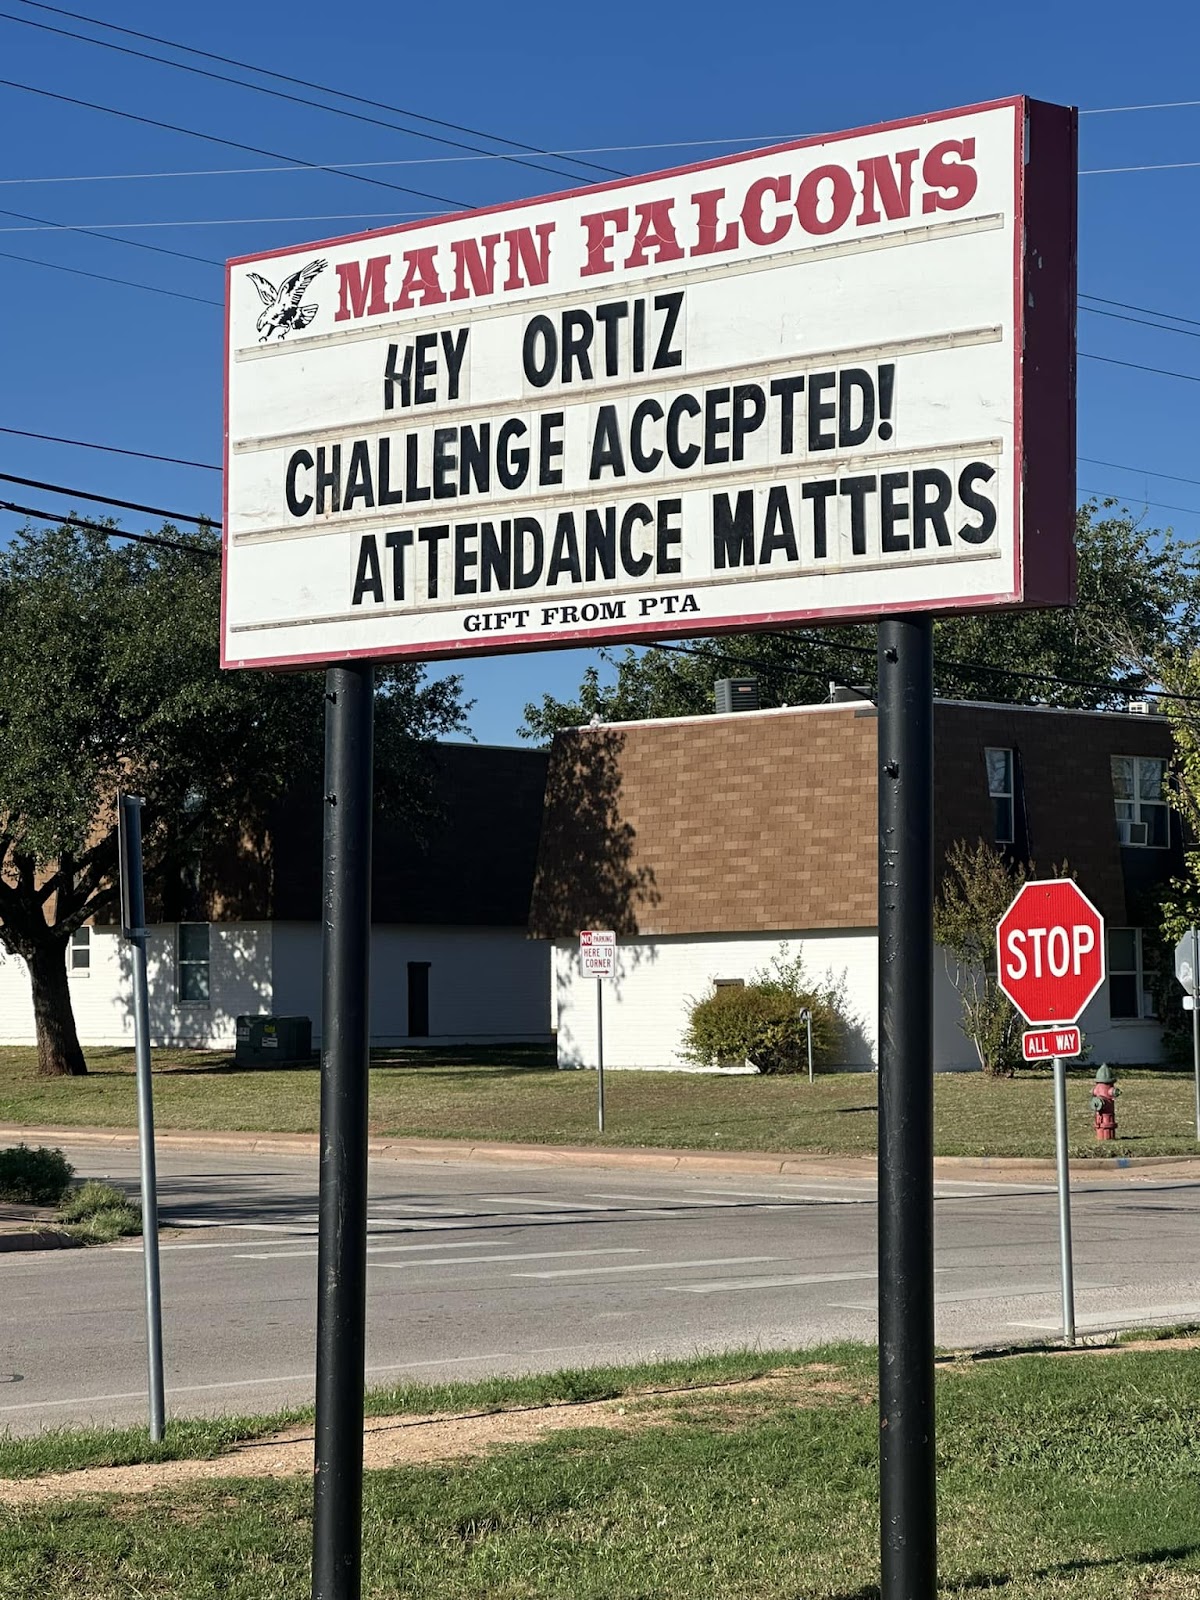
[59, 1053]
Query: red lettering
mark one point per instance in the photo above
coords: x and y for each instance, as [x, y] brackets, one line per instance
[710, 241]
[841, 199]
[356, 283]
[600, 241]
[655, 231]
[956, 176]
[420, 279]
[476, 263]
[894, 188]
[754, 220]
[524, 255]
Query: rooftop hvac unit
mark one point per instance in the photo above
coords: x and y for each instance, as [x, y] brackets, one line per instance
[737, 694]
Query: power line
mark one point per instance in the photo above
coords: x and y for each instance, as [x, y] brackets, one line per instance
[1150, 311]
[110, 449]
[46, 226]
[1108, 111]
[1157, 166]
[101, 229]
[215, 138]
[765, 139]
[305, 83]
[1142, 322]
[258, 88]
[103, 277]
[107, 500]
[69, 520]
[1159, 505]
[1121, 466]
[1137, 366]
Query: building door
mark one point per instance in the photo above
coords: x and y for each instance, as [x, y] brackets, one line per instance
[418, 999]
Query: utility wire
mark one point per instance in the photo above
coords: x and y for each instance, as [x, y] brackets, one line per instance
[1138, 366]
[764, 139]
[70, 520]
[215, 138]
[259, 88]
[107, 500]
[46, 226]
[305, 83]
[103, 277]
[1121, 466]
[110, 449]
[1150, 311]
[1142, 322]
[102, 229]
[1109, 111]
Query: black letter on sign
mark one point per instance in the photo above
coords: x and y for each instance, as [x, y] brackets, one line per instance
[821, 410]
[930, 511]
[849, 433]
[820, 494]
[526, 575]
[606, 445]
[858, 489]
[298, 507]
[977, 472]
[892, 511]
[368, 579]
[733, 530]
[540, 371]
[665, 355]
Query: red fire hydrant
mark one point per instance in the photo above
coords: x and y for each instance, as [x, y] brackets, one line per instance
[1104, 1094]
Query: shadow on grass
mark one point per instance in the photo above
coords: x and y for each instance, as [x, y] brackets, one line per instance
[974, 1582]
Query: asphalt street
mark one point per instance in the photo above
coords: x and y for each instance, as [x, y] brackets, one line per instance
[480, 1268]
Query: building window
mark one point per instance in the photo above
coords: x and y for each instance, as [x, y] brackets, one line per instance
[1139, 792]
[193, 963]
[1000, 788]
[81, 950]
[1129, 997]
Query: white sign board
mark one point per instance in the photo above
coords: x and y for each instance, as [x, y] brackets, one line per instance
[1184, 956]
[597, 953]
[833, 379]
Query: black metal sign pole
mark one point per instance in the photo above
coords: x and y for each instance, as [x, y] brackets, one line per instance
[342, 1243]
[907, 1502]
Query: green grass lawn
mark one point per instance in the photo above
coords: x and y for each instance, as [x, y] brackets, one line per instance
[1061, 1477]
[518, 1094]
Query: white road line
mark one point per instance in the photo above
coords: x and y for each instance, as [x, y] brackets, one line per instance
[665, 1203]
[782, 1197]
[648, 1266]
[721, 1285]
[1188, 1310]
[526, 1255]
[254, 1383]
[467, 1244]
[298, 1225]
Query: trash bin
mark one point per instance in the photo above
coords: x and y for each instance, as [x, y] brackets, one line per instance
[273, 1041]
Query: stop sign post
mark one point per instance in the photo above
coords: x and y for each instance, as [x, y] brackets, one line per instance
[1050, 962]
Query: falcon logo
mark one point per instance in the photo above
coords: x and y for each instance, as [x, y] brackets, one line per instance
[284, 312]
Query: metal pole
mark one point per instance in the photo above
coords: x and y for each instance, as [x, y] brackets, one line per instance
[1064, 1198]
[808, 1026]
[1196, 1021]
[342, 1240]
[907, 1473]
[600, 1046]
[134, 902]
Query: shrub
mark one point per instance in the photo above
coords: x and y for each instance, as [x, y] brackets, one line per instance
[760, 1022]
[100, 1212]
[34, 1177]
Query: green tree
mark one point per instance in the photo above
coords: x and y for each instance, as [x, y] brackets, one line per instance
[977, 888]
[1138, 595]
[110, 666]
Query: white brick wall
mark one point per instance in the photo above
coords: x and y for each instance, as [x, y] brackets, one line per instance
[646, 1005]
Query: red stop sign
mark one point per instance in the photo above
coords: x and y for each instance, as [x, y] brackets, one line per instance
[1050, 951]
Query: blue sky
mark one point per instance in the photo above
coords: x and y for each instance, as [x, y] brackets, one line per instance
[100, 361]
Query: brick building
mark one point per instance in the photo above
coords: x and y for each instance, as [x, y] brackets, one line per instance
[711, 843]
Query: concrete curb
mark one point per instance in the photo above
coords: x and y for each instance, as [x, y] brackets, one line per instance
[37, 1239]
[998, 1169]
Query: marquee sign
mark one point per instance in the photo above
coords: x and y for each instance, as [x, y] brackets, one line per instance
[833, 380]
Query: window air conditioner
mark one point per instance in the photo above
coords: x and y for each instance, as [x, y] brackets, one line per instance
[1131, 832]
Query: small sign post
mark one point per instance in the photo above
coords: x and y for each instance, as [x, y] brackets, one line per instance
[133, 928]
[1050, 961]
[598, 957]
[1187, 966]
